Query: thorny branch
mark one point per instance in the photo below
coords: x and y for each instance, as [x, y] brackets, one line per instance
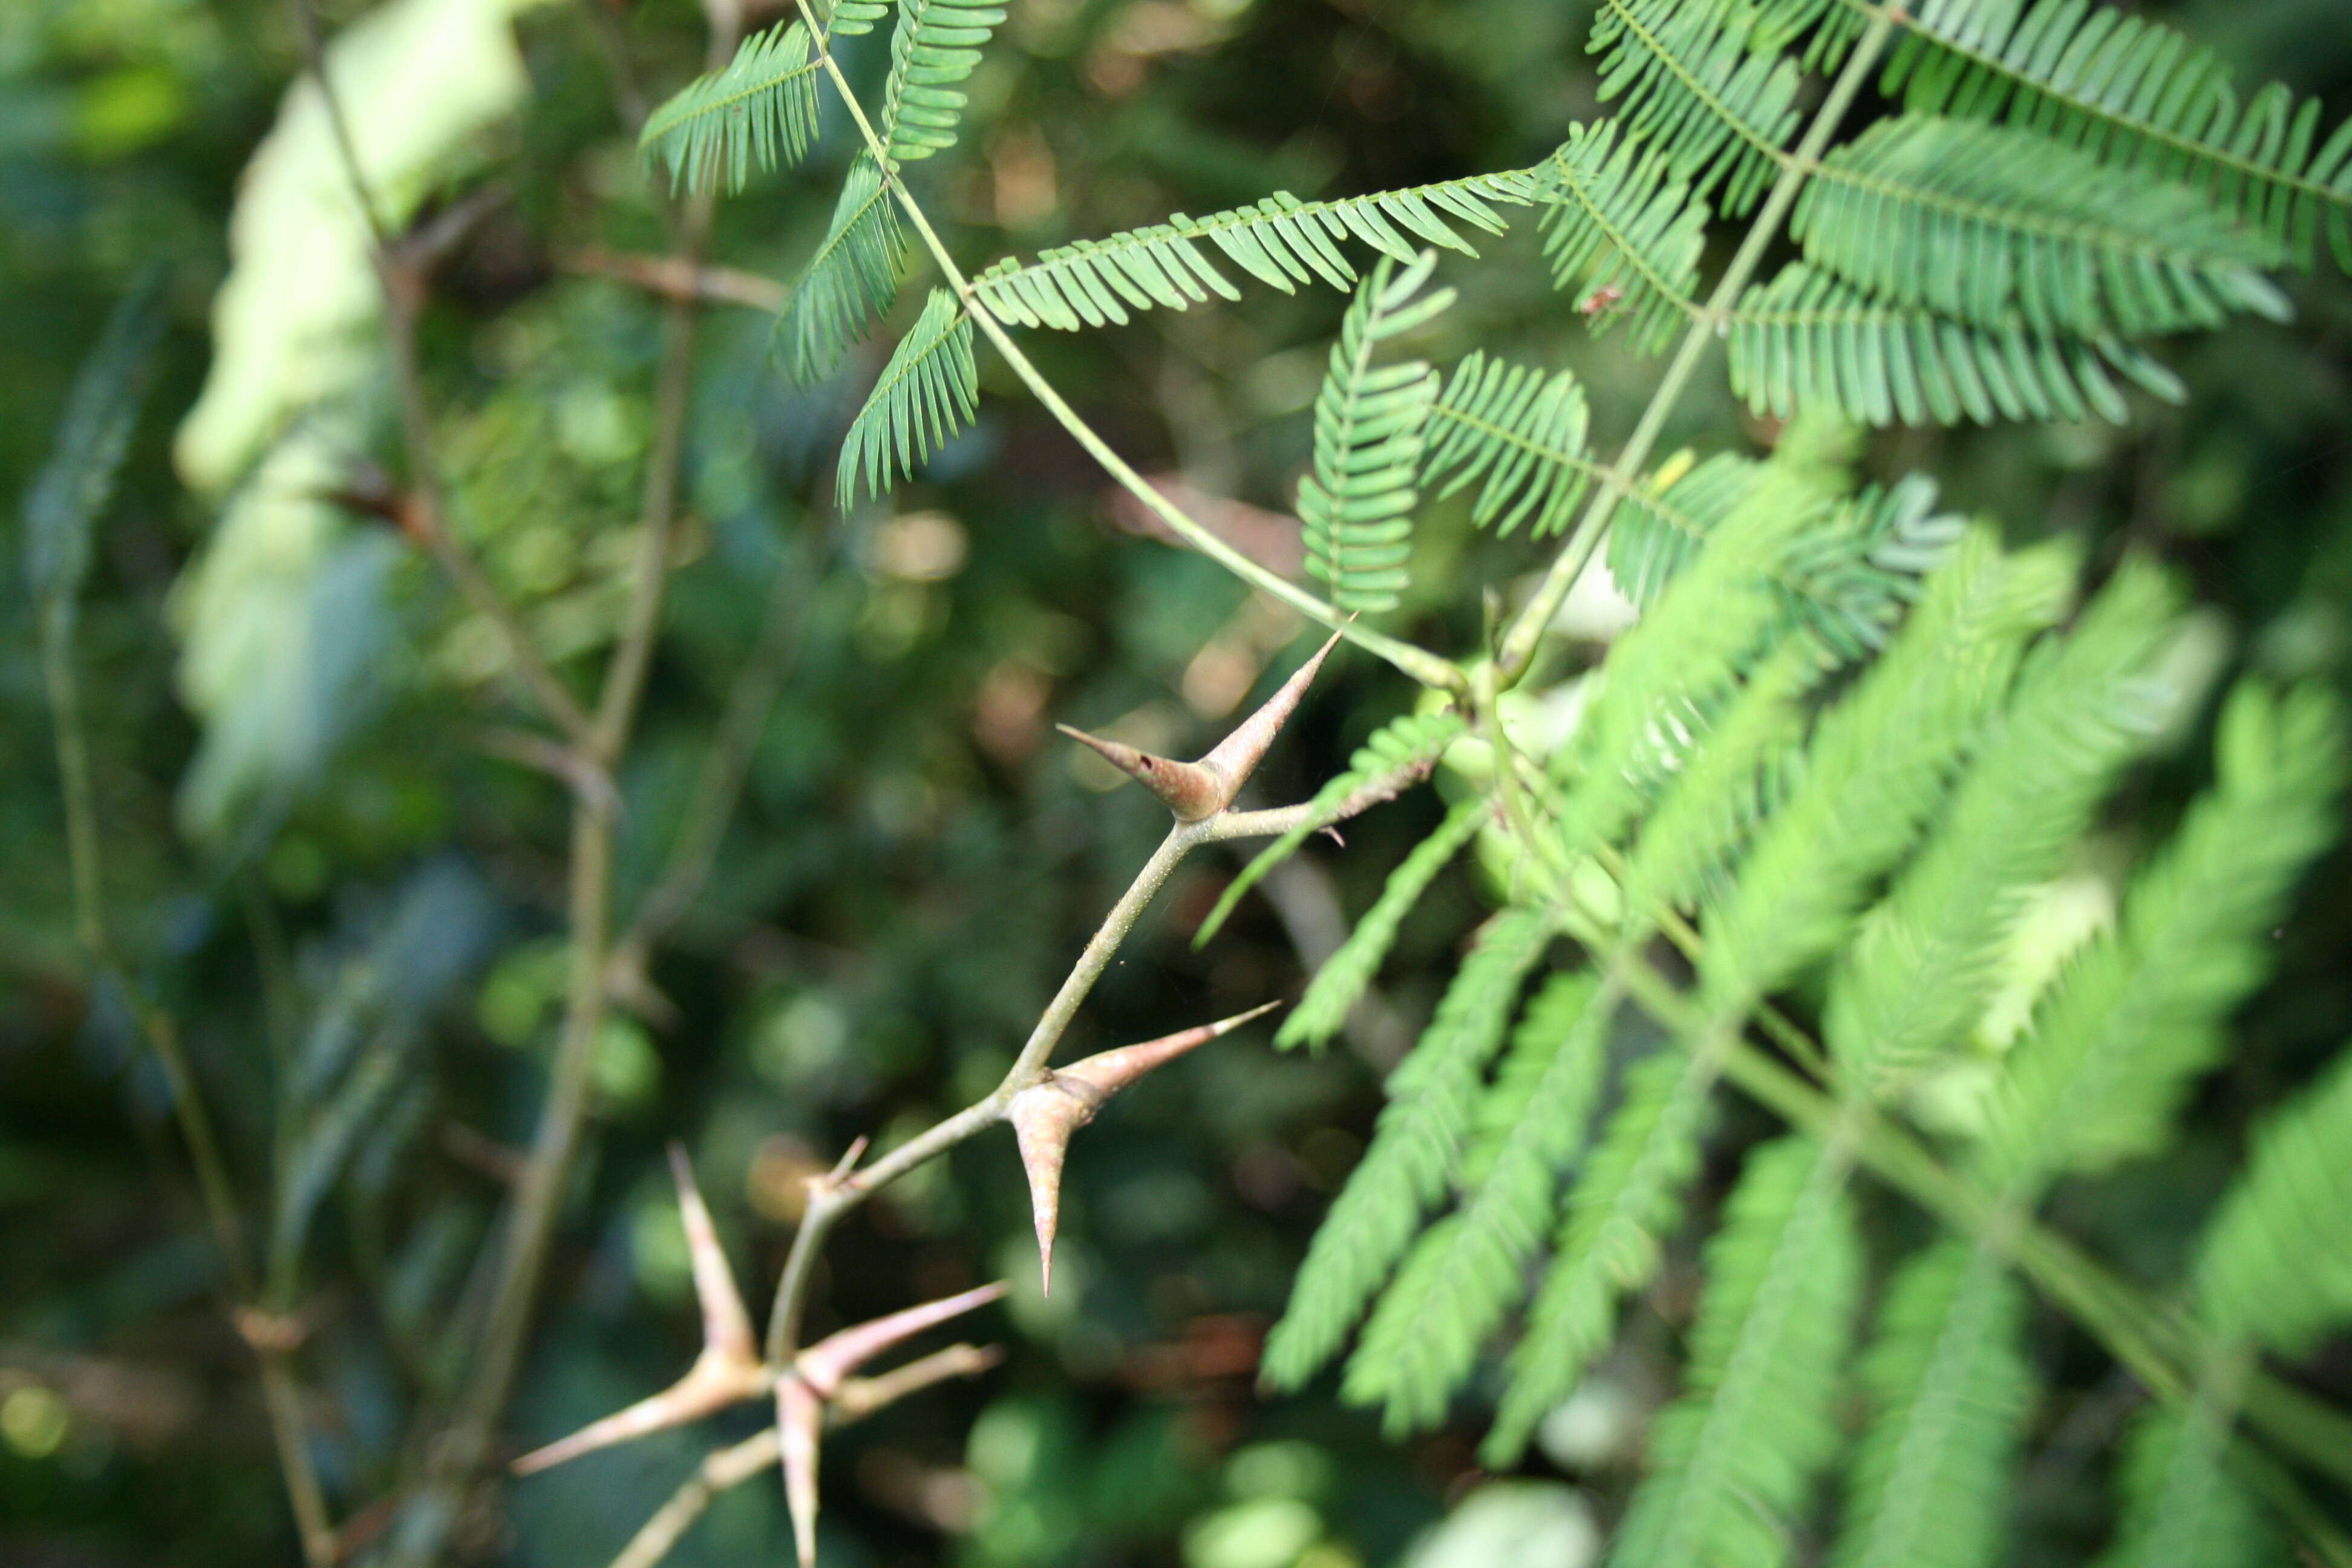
[1046, 1106]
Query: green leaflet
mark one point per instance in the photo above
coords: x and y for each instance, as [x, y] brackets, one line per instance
[1469, 1270]
[760, 109]
[1678, 662]
[1414, 1153]
[1844, 581]
[1877, 764]
[1717, 799]
[1928, 1484]
[1735, 1459]
[1623, 234]
[1923, 963]
[1987, 224]
[2140, 96]
[2182, 1508]
[936, 44]
[76, 484]
[1278, 240]
[1340, 982]
[1517, 434]
[1622, 1203]
[851, 281]
[1810, 340]
[927, 393]
[2139, 1012]
[2272, 1269]
[1369, 423]
[1718, 111]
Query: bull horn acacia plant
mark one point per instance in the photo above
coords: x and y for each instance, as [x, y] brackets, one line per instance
[1044, 1105]
[1847, 738]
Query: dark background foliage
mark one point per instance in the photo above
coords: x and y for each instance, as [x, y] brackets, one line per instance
[916, 855]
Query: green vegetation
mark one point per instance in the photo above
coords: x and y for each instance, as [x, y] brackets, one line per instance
[1810, 868]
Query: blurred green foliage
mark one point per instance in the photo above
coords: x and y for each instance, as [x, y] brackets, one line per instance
[321, 861]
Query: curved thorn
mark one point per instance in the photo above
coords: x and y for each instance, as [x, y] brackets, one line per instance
[1108, 1072]
[800, 1417]
[1188, 789]
[1238, 754]
[710, 1386]
[825, 1363]
[1045, 1114]
[726, 1324]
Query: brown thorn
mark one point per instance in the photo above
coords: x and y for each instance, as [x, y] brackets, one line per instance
[861, 1396]
[1188, 789]
[726, 1324]
[1238, 754]
[825, 1363]
[1045, 1114]
[848, 1160]
[709, 1386]
[800, 1417]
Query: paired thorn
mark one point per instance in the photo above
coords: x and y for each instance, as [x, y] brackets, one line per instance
[819, 1372]
[1047, 1113]
[727, 1371]
[1198, 790]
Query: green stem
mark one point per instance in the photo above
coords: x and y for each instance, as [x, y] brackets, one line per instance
[1422, 665]
[1519, 643]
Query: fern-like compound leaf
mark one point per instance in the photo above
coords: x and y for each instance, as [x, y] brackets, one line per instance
[2272, 1269]
[2140, 96]
[1735, 1459]
[2139, 1013]
[1467, 1272]
[1924, 961]
[1279, 240]
[1987, 224]
[1808, 340]
[854, 19]
[1948, 1390]
[1406, 747]
[936, 44]
[1516, 433]
[760, 111]
[1694, 84]
[927, 393]
[1340, 982]
[1618, 1211]
[1843, 580]
[1623, 234]
[1681, 660]
[1414, 1153]
[1728, 786]
[851, 281]
[2182, 1507]
[1370, 421]
[1877, 764]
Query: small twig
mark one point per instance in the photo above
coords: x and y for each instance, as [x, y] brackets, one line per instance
[401, 284]
[577, 770]
[676, 278]
[830, 1200]
[750, 701]
[87, 876]
[538, 1192]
